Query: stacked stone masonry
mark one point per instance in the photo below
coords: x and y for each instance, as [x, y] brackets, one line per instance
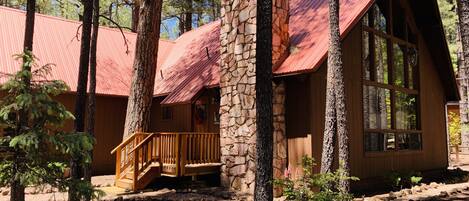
[238, 94]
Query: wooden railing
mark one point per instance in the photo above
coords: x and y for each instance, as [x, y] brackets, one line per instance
[123, 157]
[173, 152]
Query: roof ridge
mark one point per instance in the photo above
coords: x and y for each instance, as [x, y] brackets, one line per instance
[197, 28]
[74, 21]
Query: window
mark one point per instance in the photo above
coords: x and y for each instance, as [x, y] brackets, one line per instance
[390, 82]
[167, 113]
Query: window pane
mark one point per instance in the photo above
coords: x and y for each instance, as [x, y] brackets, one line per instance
[366, 20]
[379, 18]
[381, 60]
[413, 67]
[406, 111]
[398, 67]
[379, 142]
[376, 107]
[366, 56]
[409, 141]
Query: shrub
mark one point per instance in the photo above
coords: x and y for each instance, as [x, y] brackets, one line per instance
[315, 187]
[454, 127]
[35, 149]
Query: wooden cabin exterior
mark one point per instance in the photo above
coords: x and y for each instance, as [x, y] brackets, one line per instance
[398, 79]
[411, 137]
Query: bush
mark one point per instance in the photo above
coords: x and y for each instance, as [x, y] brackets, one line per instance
[35, 147]
[315, 187]
[454, 127]
[400, 180]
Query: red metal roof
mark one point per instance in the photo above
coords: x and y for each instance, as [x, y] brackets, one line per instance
[55, 42]
[184, 68]
[309, 33]
[192, 65]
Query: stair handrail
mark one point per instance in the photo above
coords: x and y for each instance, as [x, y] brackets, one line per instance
[126, 141]
[144, 141]
[142, 157]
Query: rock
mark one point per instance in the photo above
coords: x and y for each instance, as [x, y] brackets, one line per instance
[424, 187]
[416, 189]
[444, 194]
[407, 192]
[392, 195]
[434, 185]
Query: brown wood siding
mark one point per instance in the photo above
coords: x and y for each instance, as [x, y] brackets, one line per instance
[180, 121]
[307, 104]
[110, 118]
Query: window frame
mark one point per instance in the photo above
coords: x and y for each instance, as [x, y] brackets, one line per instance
[166, 110]
[391, 85]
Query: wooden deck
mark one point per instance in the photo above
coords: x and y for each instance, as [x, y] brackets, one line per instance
[145, 156]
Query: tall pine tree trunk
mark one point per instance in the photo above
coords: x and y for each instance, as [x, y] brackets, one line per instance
[80, 102]
[135, 15]
[92, 88]
[17, 188]
[143, 79]
[264, 108]
[463, 13]
[188, 17]
[335, 63]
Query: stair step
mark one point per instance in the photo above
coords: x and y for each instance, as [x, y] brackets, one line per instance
[124, 183]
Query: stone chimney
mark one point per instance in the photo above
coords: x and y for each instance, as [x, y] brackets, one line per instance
[280, 35]
[238, 93]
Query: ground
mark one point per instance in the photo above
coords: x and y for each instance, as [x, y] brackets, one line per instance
[194, 191]
[176, 189]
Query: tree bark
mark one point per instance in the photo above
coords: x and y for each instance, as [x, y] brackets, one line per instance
[264, 108]
[92, 88]
[329, 138]
[80, 102]
[463, 13]
[135, 17]
[143, 79]
[17, 188]
[335, 63]
[188, 17]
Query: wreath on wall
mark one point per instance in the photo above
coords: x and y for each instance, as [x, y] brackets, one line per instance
[200, 114]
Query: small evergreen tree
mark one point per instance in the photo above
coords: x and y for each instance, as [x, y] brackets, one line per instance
[40, 143]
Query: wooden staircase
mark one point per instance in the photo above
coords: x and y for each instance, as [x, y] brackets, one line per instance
[145, 156]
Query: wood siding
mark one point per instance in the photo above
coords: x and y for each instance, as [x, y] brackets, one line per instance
[305, 102]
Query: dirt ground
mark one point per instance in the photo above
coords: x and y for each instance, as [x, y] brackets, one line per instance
[105, 183]
[197, 191]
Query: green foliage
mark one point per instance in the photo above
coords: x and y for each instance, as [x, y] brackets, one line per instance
[454, 127]
[450, 23]
[400, 180]
[315, 187]
[37, 147]
[415, 180]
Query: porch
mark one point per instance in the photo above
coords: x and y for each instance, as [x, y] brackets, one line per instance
[145, 156]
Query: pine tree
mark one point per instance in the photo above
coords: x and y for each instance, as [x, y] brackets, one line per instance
[336, 113]
[463, 13]
[91, 110]
[264, 108]
[335, 63]
[80, 101]
[143, 78]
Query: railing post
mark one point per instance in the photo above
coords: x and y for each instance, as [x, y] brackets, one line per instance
[118, 163]
[183, 153]
[178, 155]
[135, 180]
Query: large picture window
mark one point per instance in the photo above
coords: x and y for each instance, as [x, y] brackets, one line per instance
[390, 81]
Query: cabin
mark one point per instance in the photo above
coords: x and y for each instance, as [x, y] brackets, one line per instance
[398, 79]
